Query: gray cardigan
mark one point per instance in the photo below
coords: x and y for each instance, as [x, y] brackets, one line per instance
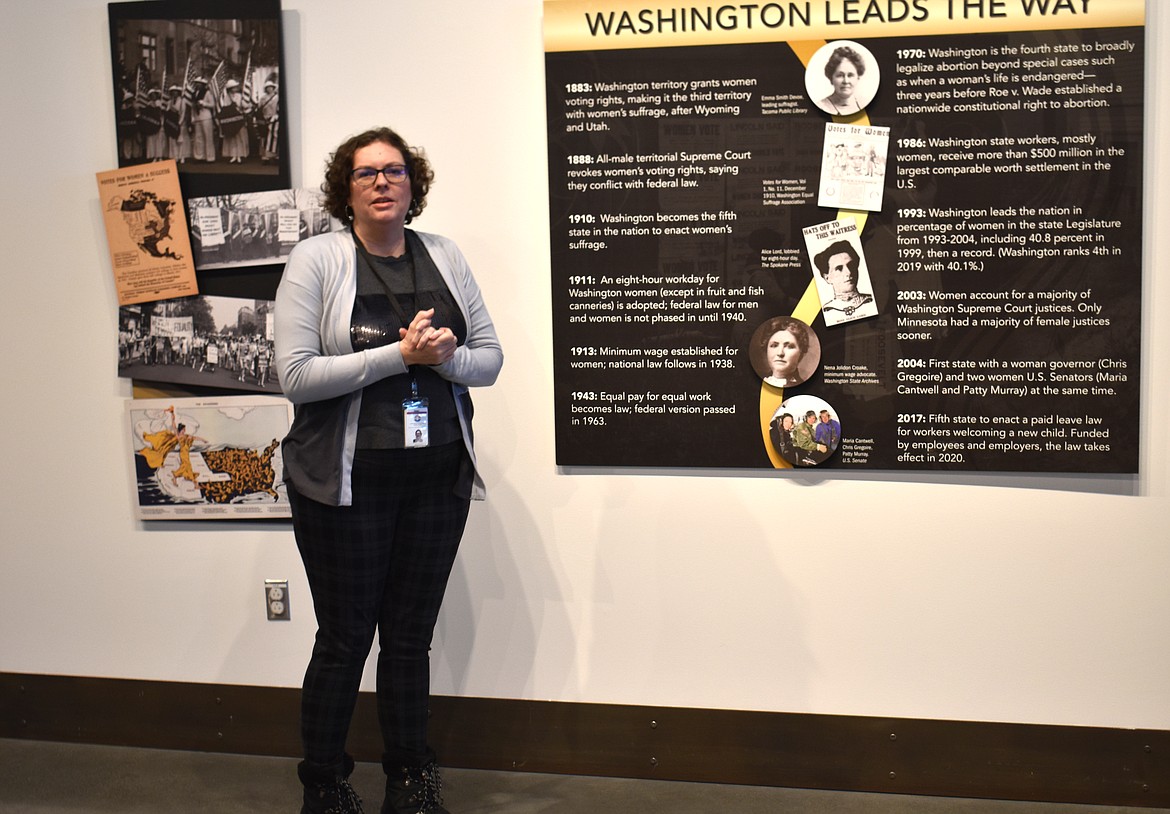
[322, 375]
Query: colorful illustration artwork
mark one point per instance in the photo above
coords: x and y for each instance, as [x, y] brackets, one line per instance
[209, 458]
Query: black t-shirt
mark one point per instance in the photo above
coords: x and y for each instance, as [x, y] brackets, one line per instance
[375, 323]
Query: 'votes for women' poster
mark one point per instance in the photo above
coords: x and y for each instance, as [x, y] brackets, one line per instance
[844, 234]
[150, 247]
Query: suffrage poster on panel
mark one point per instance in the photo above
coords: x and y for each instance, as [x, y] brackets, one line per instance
[150, 247]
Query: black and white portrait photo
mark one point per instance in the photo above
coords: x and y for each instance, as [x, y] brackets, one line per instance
[840, 271]
[842, 77]
[784, 351]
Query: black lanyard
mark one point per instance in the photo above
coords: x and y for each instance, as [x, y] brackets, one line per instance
[373, 267]
[397, 306]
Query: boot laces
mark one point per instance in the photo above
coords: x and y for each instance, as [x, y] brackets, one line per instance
[347, 800]
[429, 787]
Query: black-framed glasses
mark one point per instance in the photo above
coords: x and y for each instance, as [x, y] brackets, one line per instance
[366, 176]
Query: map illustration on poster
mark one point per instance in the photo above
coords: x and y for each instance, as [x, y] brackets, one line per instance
[209, 458]
[945, 196]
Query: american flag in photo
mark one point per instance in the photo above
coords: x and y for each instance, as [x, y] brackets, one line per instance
[218, 80]
[189, 80]
[247, 92]
[141, 95]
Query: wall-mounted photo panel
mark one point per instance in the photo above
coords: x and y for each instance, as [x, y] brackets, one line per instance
[223, 343]
[201, 83]
[250, 228]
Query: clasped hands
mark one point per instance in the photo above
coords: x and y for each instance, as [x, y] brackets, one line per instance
[423, 344]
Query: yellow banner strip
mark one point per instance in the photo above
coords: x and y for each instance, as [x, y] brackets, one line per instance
[810, 302]
[590, 25]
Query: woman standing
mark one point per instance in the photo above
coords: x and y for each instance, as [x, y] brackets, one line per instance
[232, 123]
[780, 431]
[177, 146]
[380, 330]
[269, 118]
[202, 124]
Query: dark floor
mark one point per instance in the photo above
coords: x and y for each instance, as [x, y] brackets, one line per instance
[37, 777]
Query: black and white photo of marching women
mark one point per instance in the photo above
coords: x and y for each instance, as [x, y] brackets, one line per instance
[203, 89]
[223, 343]
[253, 228]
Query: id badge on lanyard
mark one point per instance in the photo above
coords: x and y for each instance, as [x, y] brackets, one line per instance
[416, 432]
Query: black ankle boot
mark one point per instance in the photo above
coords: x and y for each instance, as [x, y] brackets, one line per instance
[414, 790]
[329, 792]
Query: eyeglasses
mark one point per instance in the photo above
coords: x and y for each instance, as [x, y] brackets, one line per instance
[366, 176]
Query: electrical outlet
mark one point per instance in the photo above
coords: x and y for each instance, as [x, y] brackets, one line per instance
[276, 597]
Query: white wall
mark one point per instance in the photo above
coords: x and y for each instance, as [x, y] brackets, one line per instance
[1026, 599]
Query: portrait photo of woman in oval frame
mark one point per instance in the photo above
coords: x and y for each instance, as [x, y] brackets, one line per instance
[842, 77]
[784, 351]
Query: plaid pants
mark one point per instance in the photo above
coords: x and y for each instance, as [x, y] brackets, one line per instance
[382, 563]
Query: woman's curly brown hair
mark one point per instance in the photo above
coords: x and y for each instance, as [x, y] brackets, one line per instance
[340, 164]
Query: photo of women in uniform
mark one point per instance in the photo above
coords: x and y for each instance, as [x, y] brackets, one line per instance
[203, 91]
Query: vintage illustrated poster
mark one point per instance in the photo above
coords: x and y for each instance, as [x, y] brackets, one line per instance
[205, 459]
[854, 166]
[927, 215]
[146, 227]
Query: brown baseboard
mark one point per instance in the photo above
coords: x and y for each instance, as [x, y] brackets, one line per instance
[1065, 764]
